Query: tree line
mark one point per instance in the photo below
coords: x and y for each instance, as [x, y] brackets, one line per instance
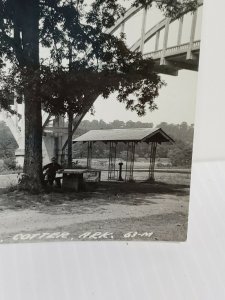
[182, 131]
[179, 154]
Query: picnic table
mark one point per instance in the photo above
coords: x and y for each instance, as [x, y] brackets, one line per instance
[74, 179]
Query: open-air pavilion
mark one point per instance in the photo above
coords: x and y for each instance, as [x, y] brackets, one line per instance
[131, 137]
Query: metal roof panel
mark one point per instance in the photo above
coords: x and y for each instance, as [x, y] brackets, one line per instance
[123, 135]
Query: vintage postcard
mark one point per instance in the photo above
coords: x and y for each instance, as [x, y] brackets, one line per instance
[97, 110]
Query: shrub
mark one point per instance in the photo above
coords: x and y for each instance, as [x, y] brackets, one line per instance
[10, 163]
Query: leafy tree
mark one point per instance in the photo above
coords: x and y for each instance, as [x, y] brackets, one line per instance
[180, 155]
[81, 55]
[162, 150]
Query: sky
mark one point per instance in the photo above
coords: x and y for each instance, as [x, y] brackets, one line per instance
[176, 101]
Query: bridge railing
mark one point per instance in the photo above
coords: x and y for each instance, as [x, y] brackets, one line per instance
[171, 51]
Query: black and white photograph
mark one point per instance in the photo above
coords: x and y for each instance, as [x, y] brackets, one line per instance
[97, 119]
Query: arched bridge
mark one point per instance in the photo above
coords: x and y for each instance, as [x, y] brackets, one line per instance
[169, 59]
[173, 44]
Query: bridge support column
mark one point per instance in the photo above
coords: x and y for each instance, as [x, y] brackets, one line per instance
[143, 30]
[165, 41]
[157, 41]
[192, 36]
[47, 151]
[180, 30]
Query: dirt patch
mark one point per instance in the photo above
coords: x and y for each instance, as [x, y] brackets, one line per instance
[160, 209]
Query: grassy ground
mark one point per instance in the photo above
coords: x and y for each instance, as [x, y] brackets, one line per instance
[7, 180]
[117, 211]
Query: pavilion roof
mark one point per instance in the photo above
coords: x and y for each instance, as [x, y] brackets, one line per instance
[125, 135]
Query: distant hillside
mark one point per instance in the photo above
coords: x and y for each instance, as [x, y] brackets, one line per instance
[182, 132]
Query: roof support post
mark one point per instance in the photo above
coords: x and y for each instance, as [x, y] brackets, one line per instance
[151, 175]
[129, 176]
[112, 161]
[89, 155]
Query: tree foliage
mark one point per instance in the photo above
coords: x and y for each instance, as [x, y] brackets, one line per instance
[82, 58]
[171, 8]
[180, 155]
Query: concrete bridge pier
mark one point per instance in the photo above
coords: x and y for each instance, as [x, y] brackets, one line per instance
[54, 137]
[51, 147]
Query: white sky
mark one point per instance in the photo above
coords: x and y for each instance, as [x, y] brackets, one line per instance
[176, 102]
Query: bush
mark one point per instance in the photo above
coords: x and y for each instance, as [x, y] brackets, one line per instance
[181, 157]
[10, 163]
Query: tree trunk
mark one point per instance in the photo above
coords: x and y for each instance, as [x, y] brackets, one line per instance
[33, 145]
[79, 117]
[33, 117]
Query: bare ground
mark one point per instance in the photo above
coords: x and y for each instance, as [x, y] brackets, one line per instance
[126, 211]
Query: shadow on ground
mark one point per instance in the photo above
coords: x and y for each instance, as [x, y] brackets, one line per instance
[104, 193]
[142, 188]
